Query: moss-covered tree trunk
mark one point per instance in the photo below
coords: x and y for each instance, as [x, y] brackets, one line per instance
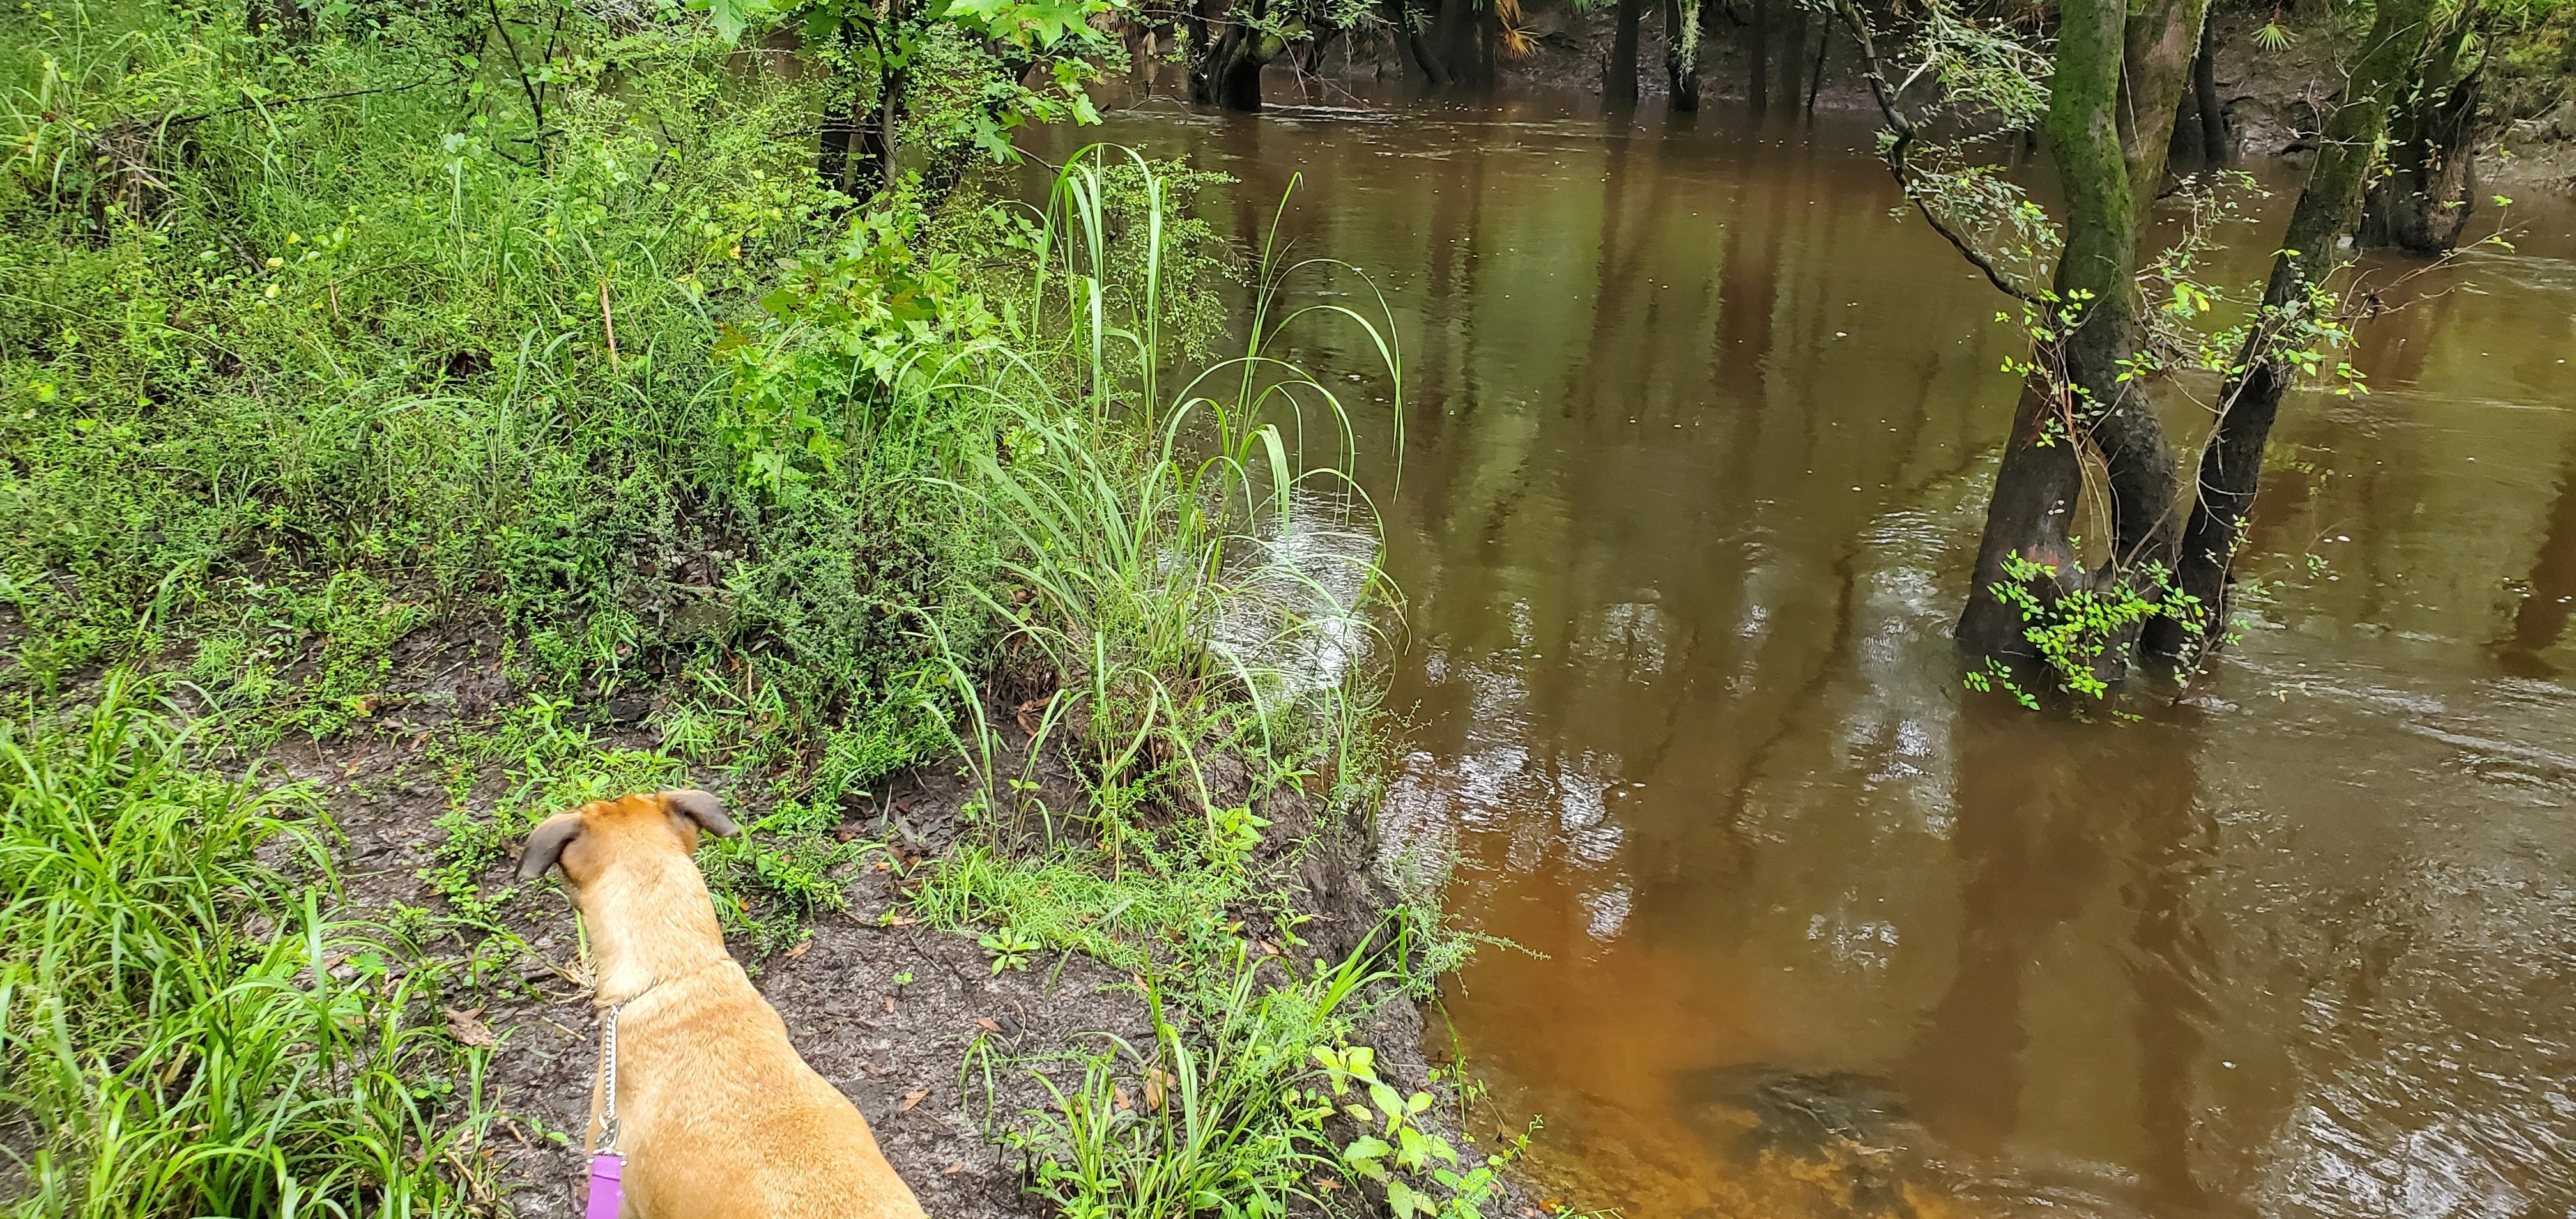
[2078, 396]
[2231, 466]
[2121, 75]
[1229, 54]
[1681, 52]
[2425, 199]
[2160, 39]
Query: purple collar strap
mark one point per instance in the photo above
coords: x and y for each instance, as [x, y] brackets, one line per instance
[606, 1195]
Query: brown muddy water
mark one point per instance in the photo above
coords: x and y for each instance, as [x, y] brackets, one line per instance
[1696, 449]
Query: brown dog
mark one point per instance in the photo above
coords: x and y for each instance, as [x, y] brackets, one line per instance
[717, 1116]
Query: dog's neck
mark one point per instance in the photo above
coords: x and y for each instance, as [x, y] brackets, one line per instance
[650, 921]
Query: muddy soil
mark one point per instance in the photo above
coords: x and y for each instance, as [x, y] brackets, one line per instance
[895, 1050]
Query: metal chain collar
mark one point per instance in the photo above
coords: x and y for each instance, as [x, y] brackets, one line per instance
[608, 1069]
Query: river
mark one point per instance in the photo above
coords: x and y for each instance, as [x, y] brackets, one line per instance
[1697, 442]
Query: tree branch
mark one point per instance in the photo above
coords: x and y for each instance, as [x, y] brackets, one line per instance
[1902, 129]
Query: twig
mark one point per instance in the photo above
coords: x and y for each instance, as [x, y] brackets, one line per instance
[607, 323]
[536, 101]
[1903, 130]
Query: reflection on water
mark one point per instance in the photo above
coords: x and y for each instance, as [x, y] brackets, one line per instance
[1697, 443]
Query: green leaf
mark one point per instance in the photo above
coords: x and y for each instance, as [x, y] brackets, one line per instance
[1389, 1102]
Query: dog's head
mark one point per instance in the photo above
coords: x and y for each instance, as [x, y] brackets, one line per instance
[589, 839]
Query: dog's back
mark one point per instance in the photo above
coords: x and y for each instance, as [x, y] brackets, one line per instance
[735, 1124]
[717, 1115]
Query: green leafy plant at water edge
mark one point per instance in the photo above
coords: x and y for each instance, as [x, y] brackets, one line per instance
[1249, 1114]
[2081, 634]
[1393, 1148]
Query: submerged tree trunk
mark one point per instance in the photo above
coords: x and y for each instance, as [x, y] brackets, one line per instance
[2231, 466]
[2032, 513]
[1793, 55]
[2115, 71]
[1681, 52]
[1419, 60]
[1226, 71]
[2425, 200]
[1758, 93]
[2200, 124]
[1619, 72]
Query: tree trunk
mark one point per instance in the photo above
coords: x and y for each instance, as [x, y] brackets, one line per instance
[1793, 55]
[1681, 52]
[1420, 62]
[2119, 80]
[874, 169]
[840, 116]
[1816, 76]
[2425, 200]
[1228, 72]
[1458, 49]
[2200, 126]
[2159, 43]
[2079, 394]
[1619, 75]
[2214, 148]
[1759, 92]
[2231, 466]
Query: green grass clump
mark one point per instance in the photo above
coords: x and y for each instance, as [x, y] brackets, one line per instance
[188, 1024]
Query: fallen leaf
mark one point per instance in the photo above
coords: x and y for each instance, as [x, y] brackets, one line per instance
[798, 951]
[1158, 1082]
[1121, 1094]
[953, 1170]
[1027, 714]
[467, 1028]
[914, 1098]
[1326, 1184]
[889, 1005]
[986, 1022]
[1269, 948]
[900, 921]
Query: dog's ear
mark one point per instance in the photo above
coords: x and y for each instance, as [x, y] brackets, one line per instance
[546, 844]
[703, 808]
